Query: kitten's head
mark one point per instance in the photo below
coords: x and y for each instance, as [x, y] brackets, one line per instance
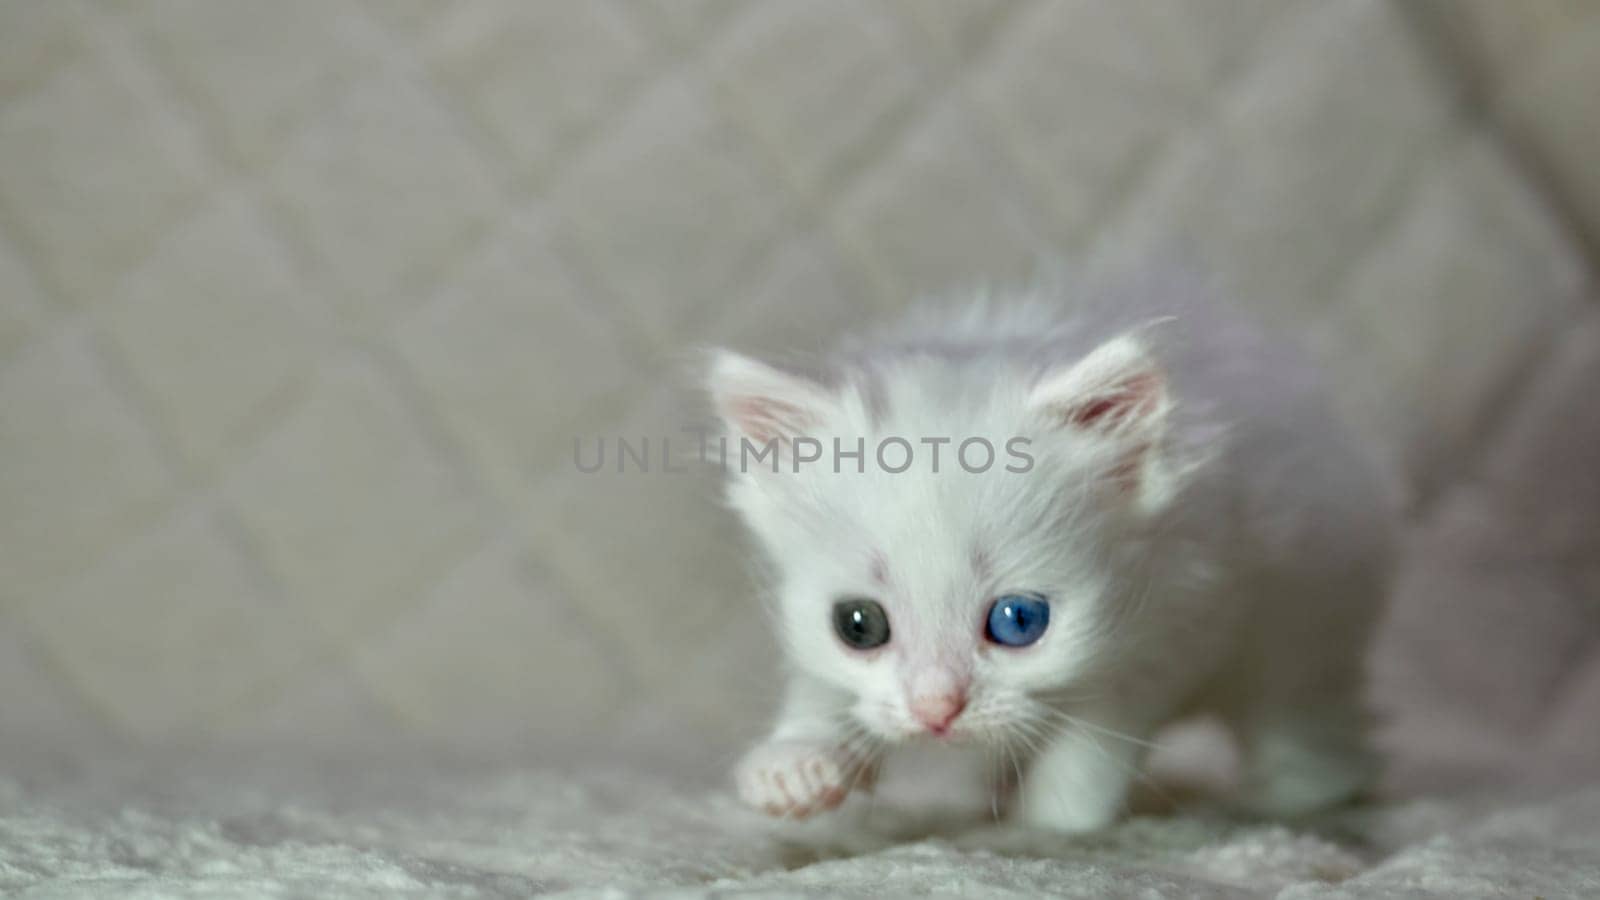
[947, 602]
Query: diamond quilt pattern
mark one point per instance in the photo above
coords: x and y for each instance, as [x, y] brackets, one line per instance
[302, 304]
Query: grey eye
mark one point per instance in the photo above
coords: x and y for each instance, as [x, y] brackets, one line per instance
[861, 623]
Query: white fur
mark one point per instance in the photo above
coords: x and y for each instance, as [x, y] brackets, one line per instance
[1219, 545]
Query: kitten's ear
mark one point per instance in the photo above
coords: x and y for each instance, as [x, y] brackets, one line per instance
[1117, 395]
[1117, 388]
[764, 403]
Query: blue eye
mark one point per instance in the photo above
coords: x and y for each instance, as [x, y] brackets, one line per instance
[1017, 620]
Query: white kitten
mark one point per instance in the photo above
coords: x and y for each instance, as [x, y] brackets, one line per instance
[1171, 522]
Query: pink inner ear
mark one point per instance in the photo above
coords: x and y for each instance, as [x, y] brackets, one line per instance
[764, 418]
[1117, 403]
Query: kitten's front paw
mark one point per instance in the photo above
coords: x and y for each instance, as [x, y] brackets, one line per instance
[1077, 785]
[796, 778]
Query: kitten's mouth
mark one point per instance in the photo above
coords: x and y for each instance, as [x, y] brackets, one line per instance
[953, 734]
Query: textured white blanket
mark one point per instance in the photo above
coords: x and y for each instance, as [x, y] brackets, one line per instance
[514, 832]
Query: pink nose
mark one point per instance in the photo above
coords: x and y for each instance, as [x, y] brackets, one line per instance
[937, 711]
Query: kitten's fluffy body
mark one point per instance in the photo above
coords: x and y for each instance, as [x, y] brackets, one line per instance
[1208, 538]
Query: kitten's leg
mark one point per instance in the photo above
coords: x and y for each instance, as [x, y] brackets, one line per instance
[1079, 782]
[808, 763]
[1296, 691]
[1300, 713]
[1302, 759]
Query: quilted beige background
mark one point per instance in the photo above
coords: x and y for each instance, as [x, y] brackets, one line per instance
[302, 303]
